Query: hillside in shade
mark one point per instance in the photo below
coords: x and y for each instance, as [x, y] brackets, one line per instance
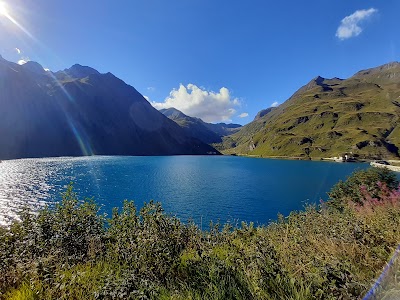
[207, 132]
[329, 117]
[79, 111]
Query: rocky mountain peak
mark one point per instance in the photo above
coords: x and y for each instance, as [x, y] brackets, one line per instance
[314, 82]
[389, 70]
[319, 80]
[79, 71]
[391, 65]
[172, 113]
[34, 67]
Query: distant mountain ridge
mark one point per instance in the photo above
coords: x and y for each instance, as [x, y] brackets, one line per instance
[79, 111]
[207, 132]
[329, 117]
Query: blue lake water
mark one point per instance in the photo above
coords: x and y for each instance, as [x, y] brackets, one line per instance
[203, 188]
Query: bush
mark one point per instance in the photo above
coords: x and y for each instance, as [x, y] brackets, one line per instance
[69, 251]
[350, 190]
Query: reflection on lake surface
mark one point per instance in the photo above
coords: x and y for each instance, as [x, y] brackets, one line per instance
[200, 187]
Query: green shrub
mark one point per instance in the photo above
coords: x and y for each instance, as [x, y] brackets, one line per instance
[350, 190]
[69, 251]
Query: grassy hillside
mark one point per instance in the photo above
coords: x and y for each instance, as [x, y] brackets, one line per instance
[333, 251]
[329, 117]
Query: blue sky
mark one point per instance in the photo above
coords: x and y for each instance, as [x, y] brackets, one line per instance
[214, 59]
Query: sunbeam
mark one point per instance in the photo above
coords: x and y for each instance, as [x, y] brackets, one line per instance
[5, 11]
[84, 143]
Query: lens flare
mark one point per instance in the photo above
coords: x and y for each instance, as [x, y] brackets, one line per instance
[387, 277]
[3, 9]
[80, 136]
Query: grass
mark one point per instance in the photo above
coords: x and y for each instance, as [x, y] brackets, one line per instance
[335, 250]
[358, 115]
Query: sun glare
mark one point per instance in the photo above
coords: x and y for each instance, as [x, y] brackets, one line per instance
[3, 9]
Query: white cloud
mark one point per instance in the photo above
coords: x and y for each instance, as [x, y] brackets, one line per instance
[243, 115]
[349, 26]
[18, 50]
[151, 88]
[275, 104]
[198, 102]
[147, 98]
[23, 61]
[47, 69]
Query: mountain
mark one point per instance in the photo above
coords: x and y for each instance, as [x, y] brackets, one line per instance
[263, 112]
[223, 129]
[79, 111]
[329, 117]
[206, 132]
[192, 126]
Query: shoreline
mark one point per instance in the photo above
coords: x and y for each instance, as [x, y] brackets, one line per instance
[326, 159]
[390, 167]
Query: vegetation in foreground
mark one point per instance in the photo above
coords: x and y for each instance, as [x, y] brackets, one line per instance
[332, 251]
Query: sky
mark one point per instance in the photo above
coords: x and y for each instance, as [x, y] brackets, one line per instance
[218, 60]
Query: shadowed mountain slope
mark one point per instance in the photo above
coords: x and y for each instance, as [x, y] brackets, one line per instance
[79, 111]
[206, 132]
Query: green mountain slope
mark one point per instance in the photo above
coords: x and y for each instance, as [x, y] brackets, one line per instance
[328, 117]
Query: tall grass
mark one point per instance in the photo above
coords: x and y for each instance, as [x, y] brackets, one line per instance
[323, 252]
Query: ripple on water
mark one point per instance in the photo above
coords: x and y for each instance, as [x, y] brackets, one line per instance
[28, 182]
[200, 187]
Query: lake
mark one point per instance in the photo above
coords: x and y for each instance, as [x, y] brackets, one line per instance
[203, 188]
